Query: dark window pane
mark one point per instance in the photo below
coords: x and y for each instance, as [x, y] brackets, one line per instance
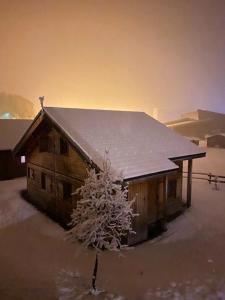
[67, 190]
[50, 184]
[63, 146]
[172, 188]
[43, 181]
[44, 144]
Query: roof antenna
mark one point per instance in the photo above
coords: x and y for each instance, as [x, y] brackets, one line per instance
[42, 98]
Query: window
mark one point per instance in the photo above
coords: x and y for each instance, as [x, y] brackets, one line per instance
[44, 144]
[50, 184]
[43, 181]
[31, 173]
[63, 146]
[67, 190]
[172, 188]
[22, 159]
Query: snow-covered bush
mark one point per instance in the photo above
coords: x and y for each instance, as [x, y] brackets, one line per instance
[103, 216]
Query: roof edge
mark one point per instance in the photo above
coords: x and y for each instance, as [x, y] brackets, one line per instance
[44, 113]
[188, 157]
[22, 140]
[98, 109]
[151, 175]
[83, 153]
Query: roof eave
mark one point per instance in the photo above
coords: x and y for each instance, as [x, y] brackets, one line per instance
[16, 150]
[76, 145]
[151, 175]
[38, 119]
[188, 157]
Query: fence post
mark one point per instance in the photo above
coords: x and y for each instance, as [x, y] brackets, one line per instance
[210, 178]
[216, 182]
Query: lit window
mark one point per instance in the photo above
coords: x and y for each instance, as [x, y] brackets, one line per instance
[23, 159]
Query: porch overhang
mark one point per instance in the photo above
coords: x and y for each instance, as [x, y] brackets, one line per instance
[188, 157]
[151, 176]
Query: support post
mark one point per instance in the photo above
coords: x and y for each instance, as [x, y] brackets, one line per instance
[165, 196]
[189, 183]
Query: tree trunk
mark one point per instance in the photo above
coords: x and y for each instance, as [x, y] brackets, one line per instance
[94, 276]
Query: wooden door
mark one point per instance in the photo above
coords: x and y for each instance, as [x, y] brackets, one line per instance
[152, 207]
[161, 200]
[140, 224]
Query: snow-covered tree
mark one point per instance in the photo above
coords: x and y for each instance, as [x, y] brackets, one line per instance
[103, 216]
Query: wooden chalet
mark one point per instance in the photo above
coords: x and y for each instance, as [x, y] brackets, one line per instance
[11, 131]
[199, 124]
[62, 143]
[216, 140]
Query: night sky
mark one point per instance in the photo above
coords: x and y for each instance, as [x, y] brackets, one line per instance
[133, 55]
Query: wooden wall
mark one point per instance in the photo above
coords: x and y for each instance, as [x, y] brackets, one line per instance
[152, 202]
[58, 168]
[149, 204]
[70, 164]
[11, 167]
[175, 183]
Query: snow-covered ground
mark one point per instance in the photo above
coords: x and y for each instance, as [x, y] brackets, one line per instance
[185, 263]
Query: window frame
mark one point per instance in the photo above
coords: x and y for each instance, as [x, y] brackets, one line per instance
[31, 173]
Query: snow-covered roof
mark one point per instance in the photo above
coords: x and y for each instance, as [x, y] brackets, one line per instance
[192, 138]
[214, 135]
[180, 121]
[138, 144]
[11, 131]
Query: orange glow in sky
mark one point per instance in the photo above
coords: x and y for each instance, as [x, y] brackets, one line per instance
[132, 55]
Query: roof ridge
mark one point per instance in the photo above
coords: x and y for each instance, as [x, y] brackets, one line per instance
[94, 109]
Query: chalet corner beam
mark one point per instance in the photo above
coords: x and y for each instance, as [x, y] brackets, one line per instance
[189, 183]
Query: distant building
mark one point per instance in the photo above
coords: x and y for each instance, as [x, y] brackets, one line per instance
[199, 124]
[10, 133]
[201, 114]
[216, 141]
[63, 142]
